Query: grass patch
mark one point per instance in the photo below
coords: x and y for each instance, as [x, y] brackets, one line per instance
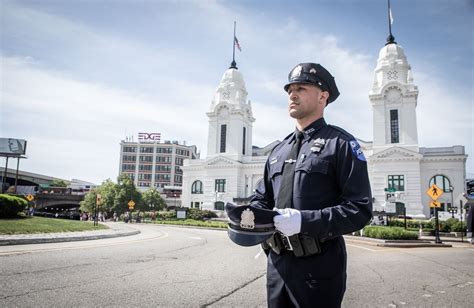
[45, 225]
[192, 222]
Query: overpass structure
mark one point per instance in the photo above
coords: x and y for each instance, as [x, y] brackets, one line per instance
[25, 178]
[46, 199]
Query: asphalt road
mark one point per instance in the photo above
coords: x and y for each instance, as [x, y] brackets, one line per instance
[186, 267]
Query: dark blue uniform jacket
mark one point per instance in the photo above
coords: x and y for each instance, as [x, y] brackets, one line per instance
[331, 186]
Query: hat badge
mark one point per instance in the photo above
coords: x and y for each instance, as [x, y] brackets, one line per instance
[247, 219]
[312, 70]
[296, 71]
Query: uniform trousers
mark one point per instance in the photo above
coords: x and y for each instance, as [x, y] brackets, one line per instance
[314, 281]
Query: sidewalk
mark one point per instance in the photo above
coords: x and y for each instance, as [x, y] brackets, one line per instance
[116, 230]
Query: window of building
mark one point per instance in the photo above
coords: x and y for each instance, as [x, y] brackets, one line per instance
[196, 187]
[244, 133]
[441, 181]
[146, 150]
[219, 206]
[394, 128]
[130, 149]
[223, 137]
[220, 185]
[145, 167]
[129, 158]
[146, 158]
[128, 167]
[179, 161]
[396, 182]
[178, 178]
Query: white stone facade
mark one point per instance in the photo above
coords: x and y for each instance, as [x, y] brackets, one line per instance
[395, 151]
[230, 155]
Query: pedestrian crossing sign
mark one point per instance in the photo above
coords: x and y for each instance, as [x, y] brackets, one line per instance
[434, 192]
[30, 197]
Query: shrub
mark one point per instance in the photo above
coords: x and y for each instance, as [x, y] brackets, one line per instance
[459, 227]
[167, 215]
[447, 226]
[389, 233]
[412, 224]
[10, 206]
[198, 214]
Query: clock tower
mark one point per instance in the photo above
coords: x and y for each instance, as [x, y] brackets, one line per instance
[394, 99]
[230, 118]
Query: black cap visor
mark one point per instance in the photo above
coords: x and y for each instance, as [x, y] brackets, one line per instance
[248, 238]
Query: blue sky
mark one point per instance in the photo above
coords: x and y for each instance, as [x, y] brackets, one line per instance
[79, 76]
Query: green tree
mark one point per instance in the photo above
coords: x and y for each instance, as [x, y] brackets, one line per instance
[107, 191]
[152, 200]
[89, 202]
[126, 191]
[59, 183]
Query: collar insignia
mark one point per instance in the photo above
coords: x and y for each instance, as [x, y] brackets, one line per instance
[247, 219]
[274, 160]
[309, 131]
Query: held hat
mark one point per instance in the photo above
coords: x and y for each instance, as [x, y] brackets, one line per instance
[249, 225]
[315, 74]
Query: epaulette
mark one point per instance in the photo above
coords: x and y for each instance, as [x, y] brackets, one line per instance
[281, 142]
[344, 132]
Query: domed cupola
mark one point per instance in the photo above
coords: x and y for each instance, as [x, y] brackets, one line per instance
[231, 90]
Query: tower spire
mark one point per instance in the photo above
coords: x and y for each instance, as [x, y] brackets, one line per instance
[233, 64]
[390, 38]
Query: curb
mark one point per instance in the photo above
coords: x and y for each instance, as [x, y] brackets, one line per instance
[395, 243]
[43, 238]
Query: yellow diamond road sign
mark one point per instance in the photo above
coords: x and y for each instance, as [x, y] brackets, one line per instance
[131, 204]
[434, 192]
[30, 197]
[435, 204]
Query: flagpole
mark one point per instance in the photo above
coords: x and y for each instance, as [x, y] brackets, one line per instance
[233, 64]
[390, 38]
[389, 21]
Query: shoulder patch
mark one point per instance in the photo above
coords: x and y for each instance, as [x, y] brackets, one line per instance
[356, 150]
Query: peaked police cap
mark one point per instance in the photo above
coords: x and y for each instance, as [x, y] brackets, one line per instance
[249, 225]
[315, 74]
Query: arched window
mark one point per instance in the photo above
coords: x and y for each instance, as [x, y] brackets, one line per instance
[441, 181]
[196, 188]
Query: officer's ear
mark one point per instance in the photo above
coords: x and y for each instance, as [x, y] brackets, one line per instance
[325, 96]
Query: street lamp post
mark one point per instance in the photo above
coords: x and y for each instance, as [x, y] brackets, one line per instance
[451, 189]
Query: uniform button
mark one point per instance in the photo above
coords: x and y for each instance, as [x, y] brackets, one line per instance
[330, 234]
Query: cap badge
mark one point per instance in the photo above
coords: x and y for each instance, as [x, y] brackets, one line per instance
[296, 71]
[318, 145]
[312, 70]
[247, 219]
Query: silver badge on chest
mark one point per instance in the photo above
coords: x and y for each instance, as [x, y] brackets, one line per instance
[247, 219]
[318, 145]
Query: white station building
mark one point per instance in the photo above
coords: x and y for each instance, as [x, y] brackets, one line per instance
[400, 171]
[233, 167]
[395, 159]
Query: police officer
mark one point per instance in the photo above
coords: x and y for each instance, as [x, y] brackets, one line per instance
[317, 180]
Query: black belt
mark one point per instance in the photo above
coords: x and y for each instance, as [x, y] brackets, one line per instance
[301, 245]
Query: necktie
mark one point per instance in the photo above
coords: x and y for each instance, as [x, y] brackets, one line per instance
[285, 194]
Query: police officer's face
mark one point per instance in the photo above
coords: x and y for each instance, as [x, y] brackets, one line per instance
[306, 101]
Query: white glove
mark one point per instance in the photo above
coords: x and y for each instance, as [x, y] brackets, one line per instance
[288, 222]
